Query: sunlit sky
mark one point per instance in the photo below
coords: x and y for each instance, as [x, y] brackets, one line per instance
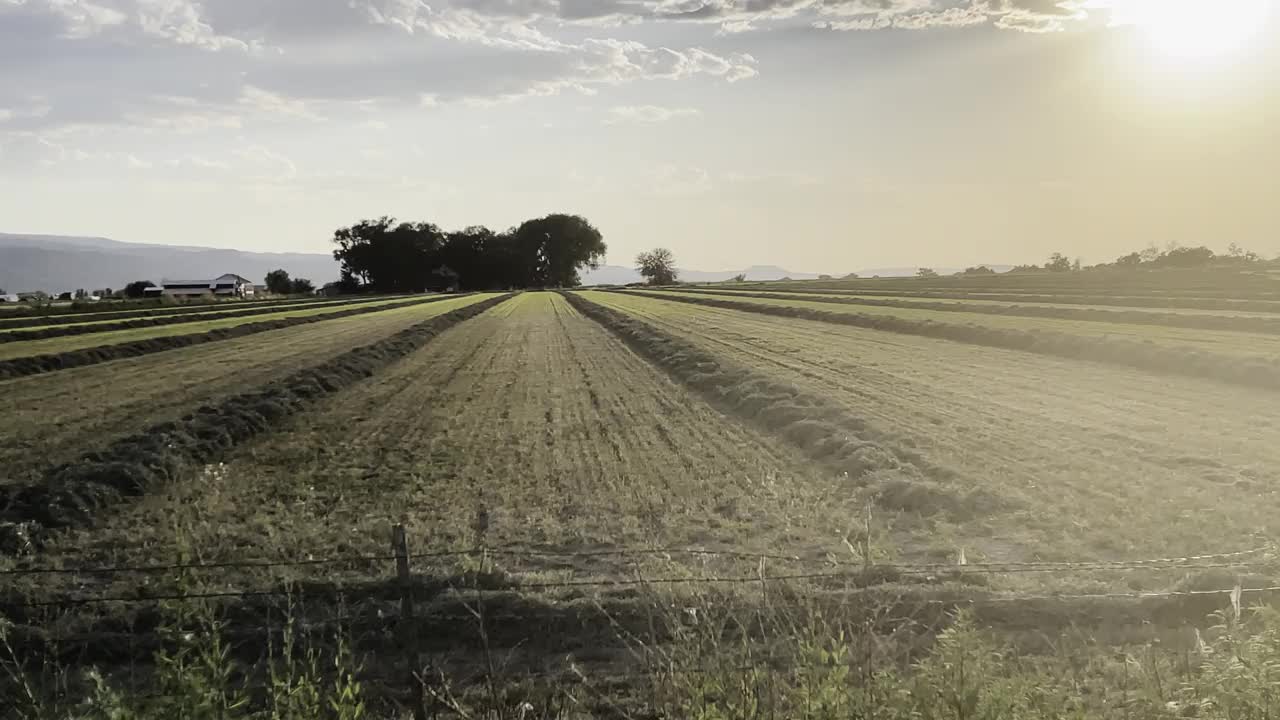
[820, 135]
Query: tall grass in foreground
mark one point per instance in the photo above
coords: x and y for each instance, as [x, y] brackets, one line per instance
[712, 665]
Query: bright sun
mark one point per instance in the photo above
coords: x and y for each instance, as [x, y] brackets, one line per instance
[1194, 29]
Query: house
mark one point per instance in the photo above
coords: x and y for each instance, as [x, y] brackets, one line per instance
[9, 298]
[229, 285]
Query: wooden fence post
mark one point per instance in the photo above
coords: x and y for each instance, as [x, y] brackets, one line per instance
[408, 625]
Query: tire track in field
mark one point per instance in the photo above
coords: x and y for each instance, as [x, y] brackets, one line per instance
[1109, 461]
[51, 418]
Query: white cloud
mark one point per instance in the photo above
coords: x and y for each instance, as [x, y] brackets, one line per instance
[273, 103]
[647, 114]
[679, 180]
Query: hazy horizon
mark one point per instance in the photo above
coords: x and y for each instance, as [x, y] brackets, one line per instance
[811, 135]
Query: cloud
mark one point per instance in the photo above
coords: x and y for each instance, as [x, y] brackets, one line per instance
[647, 114]
[204, 67]
[207, 66]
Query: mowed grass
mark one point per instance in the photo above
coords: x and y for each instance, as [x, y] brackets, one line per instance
[1220, 298]
[55, 417]
[1090, 462]
[992, 301]
[28, 348]
[1225, 342]
[530, 415]
[89, 319]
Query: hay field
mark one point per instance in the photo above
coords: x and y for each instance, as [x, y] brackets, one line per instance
[57, 416]
[1094, 461]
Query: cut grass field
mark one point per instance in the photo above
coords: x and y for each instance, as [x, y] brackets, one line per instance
[61, 415]
[530, 411]
[1207, 319]
[51, 346]
[586, 443]
[95, 325]
[1223, 342]
[106, 314]
[1224, 302]
[1094, 462]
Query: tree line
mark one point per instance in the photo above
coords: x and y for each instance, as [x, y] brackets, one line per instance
[1151, 258]
[388, 256]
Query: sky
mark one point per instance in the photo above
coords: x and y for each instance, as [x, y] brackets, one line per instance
[818, 135]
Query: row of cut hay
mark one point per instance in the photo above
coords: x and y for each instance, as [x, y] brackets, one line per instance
[44, 333]
[36, 364]
[824, 431]
[1252, 372]
[1238, 323]
[1082, 297]
[72, 494]
[113, 311]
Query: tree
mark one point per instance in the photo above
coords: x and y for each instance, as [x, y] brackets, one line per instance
[926, 273]
[1058, 263]
[278, 282]
[825, 277]
[979, 270]
[385, 256]
[137, 288]
[388, 257]
[301, 286]
[851, 276]
[556, 247]
[740, 277]
[1185, 257]
[1132, 260]
[658, 266]
[64, 296]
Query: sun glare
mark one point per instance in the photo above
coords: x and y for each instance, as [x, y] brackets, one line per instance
[1195, 29]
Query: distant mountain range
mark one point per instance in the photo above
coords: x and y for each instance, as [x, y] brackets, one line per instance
[57, 263]
[618, 275]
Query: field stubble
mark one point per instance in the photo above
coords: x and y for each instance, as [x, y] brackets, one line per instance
[57, 416]
[528, 426]
[1094, 462]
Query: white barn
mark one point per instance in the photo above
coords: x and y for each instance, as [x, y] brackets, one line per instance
[229, 285]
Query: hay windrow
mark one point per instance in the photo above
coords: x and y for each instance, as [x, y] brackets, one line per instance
[37, 364]
[74, 493]
[70, 316]
[1237, 323]
[44, 333]
[824, 431]
[1237, 302]
[1253, 372]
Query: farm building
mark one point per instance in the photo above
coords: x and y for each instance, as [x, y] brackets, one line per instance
[8, 298]
[228, 285]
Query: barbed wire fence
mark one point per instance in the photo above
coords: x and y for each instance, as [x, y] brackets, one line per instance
[407, 623]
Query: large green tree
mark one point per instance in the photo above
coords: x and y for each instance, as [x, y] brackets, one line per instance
[555, 248]
[278, 282]
[658, 266]
[384, 256]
